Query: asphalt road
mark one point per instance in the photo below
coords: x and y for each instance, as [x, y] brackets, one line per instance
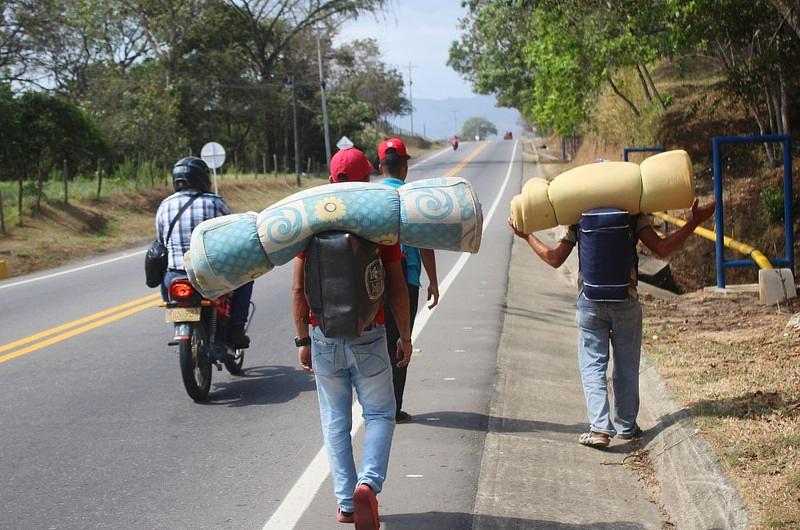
[96, 430]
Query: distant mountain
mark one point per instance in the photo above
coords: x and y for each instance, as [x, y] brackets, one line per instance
[436, 117]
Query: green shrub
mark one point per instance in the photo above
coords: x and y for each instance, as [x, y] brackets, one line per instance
[772, 202]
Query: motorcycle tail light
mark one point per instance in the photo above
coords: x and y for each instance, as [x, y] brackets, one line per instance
[181, 290]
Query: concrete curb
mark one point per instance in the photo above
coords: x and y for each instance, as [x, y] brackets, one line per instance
[695, 491]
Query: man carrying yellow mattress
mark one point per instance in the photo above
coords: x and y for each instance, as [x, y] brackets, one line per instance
[340, 364]
[611, 320]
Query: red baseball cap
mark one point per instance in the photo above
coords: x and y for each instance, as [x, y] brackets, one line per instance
[350, 165]
[392, 143]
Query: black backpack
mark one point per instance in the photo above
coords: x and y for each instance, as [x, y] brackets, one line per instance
[606, 254]
[344, 282]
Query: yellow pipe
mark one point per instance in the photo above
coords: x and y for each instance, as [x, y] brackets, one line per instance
[760, 259]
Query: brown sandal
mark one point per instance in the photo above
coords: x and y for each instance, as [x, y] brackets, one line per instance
[594, 439]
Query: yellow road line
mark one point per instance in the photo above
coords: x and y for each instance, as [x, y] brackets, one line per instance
[466, 160]
[74, 323]
[78, 331]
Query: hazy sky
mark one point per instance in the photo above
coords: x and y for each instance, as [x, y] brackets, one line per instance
[419, 32]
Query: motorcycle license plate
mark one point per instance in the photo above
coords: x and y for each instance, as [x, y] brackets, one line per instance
[183, 314]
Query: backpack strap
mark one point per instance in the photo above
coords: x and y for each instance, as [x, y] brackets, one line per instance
[180, 212]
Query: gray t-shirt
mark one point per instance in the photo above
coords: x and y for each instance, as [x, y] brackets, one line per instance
[570, 235]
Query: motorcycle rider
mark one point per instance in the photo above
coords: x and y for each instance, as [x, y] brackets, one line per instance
[454, 142]
[190, 176]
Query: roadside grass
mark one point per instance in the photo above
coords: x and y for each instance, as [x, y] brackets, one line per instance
[735, 365]
[58, 233]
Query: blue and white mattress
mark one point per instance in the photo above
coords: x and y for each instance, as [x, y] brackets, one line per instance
[229, 251]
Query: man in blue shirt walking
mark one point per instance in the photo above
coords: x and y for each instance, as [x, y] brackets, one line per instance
[393, 157]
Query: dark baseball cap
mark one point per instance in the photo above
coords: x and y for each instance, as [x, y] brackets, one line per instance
[350, 165]
[392, 143]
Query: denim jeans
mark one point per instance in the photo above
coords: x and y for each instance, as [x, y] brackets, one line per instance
[339, 366]
[620, 324]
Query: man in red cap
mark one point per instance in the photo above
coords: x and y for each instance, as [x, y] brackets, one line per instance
[363, 363]
[350, 165]
[393, 157]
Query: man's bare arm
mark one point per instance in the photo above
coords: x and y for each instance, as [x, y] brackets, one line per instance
[429, 262]
[398, 298]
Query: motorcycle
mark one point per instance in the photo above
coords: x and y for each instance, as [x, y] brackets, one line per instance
[454, 143]
[200, 330]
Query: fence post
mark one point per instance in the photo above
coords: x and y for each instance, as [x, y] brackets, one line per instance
[19, 200]
[136, 170]
[66, 191]
[99, 177]
[236, 164]
[2, 215]
[264, 163]
[39, 187]
[164, 171]
[275, 163]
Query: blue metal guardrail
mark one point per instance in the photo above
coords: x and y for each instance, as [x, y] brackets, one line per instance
[650, 149]
[788, 215]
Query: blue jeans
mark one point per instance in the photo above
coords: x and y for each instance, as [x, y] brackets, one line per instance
[339, 366]
[620, 324]
[240, 301]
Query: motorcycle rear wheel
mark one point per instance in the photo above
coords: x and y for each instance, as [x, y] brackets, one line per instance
[195, 364]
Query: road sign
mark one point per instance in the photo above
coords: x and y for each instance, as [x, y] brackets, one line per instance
[213, 154]
[344, 143]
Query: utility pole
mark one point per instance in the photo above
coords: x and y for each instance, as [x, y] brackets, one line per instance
[324, 99]
[411, 96]
[296, 132]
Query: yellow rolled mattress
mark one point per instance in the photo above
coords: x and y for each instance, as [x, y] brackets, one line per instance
[661, 182]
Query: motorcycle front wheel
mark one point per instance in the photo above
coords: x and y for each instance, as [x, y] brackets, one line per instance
[195, 364]
[234, 361]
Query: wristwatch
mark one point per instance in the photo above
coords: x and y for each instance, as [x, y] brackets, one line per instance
[305, 341]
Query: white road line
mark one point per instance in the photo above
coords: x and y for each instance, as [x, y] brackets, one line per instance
[76, 269]
[299, 497]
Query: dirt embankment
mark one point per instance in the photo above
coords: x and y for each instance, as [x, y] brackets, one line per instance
[59, 233]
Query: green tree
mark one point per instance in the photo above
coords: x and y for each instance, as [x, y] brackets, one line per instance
[54, 131]
[477, 126]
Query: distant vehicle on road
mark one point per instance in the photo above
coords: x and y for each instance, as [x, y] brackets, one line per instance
[454, 142]
[508, 136]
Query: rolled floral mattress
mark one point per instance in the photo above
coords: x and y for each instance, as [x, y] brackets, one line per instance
[229, 251]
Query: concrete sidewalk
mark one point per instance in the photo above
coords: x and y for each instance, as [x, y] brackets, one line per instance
[534, 474]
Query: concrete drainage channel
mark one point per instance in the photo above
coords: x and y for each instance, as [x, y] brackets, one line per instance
[693, 490]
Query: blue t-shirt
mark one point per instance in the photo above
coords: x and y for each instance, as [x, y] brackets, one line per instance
[413, 261]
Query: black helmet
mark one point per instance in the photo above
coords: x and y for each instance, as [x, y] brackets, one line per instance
[191, 173]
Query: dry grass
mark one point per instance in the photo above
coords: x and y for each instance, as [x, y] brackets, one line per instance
[62, 233]
[735, 364]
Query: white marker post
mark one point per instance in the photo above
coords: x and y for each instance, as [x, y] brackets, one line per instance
[213, 154]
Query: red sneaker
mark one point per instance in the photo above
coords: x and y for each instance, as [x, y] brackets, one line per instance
[344, 517]
[365, 504]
